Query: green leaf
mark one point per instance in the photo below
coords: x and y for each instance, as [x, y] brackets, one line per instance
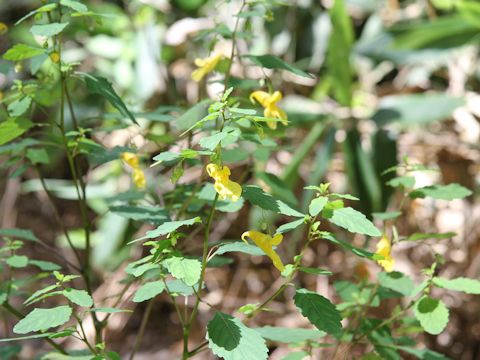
[290, 226]
[38, 156]
[255, 195]
[340, 46]
[297, 355]
[74, 5]
[354, 221]
[278, 187]
[289, 335]
[223, 331]
[317, 205]
[48, 30]
[108, 310]
[403, 181]
[168, 227]
[100, 85]
[151, 214]
[397, 282]
[251, 345]
[319, 311]
[274, 62]
[416, 109]
[423, 354]
[224, 137]
[79, 297]
[432, 314]
[13, 128]
[441, 192]
[357, 251]
[196, 116]
[177, 287]
[17, 261]
[45, 265]
[37, 294]
[20, 106]
[423, 236]
[315, 271]
[149, 291]
[387, 215]
[466, 285]
[20, 52]
[43, 319]
[443, 32]
[35, 336]
[239, 246]
[187, 270]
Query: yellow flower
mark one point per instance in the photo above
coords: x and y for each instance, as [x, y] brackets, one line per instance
[55, 57]
[225, 187]
[3, 28]
[271, 110]
[266, 243]
[384, 248]
[205, 66]
[138, 176]
[131, 159]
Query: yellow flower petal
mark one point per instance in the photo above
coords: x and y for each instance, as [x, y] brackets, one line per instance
[269, 103]
[260, 96]
[225, 187]
[205, 66]
[266, 242]
[384, 248]
[3, 28]
[138, 178]
[131, 159]
[55, 57]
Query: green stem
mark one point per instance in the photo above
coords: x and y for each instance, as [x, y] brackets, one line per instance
[234, 45]
[143, 325]
[187, 326]
[84, 334]
[198, 349]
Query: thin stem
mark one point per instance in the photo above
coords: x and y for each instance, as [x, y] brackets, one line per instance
[198, 349]
[177, 309]
[57, 216]
[186, 328]
[143, 325]
[80, 188]
[234, 45]
[84, 334]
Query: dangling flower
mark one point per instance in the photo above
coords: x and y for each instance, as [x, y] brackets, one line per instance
[225, 187]
[138, 176]
[205, 66]
[3, 28]
[271, 110]
[266, 243]
[384, 248]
